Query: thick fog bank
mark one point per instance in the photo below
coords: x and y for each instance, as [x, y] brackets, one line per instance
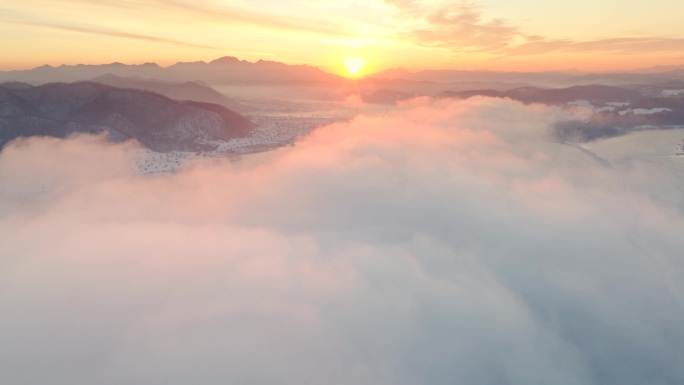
[446, 243]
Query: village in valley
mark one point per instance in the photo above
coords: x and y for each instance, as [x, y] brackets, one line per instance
[270, 131]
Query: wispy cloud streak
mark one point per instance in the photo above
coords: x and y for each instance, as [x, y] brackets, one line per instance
[214, 12]
[232, 14]
[112, 33]
[462, 27]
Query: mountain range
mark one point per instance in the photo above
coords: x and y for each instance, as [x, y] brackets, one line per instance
[539, 79]
[229, 70]
[189, 90]
[596, 93]
[158, 122]
[176, 108]
[226, 70]
[616, 110]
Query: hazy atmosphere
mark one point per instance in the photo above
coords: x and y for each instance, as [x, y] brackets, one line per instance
[527, 35]
[341, 192]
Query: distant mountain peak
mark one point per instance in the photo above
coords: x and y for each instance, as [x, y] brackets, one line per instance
[270, 62]
[225, 60]
[184, 63]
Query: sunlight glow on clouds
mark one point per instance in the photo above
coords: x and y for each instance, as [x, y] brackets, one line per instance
[449, 242]
[409, 33]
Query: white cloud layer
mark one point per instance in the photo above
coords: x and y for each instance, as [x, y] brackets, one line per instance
[449, 242]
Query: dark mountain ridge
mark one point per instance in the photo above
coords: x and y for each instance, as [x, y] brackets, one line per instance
[593, 93]
[189, 90]
[226, 70]
[617, 110]
[160, 123]
[229, 70]
[538, 79]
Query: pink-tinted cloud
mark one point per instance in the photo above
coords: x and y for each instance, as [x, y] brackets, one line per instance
[458, 25]
[447, 242]
[463, 27]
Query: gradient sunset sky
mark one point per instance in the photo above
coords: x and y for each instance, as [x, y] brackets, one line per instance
[521, 35]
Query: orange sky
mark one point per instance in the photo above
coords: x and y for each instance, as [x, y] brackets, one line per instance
[525, 35]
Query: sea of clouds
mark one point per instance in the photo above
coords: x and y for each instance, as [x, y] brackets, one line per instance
[444, 243]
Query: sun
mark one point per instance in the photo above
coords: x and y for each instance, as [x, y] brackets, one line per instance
[354, 66]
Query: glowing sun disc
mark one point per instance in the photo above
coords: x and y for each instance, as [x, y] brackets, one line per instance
[354, 66]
